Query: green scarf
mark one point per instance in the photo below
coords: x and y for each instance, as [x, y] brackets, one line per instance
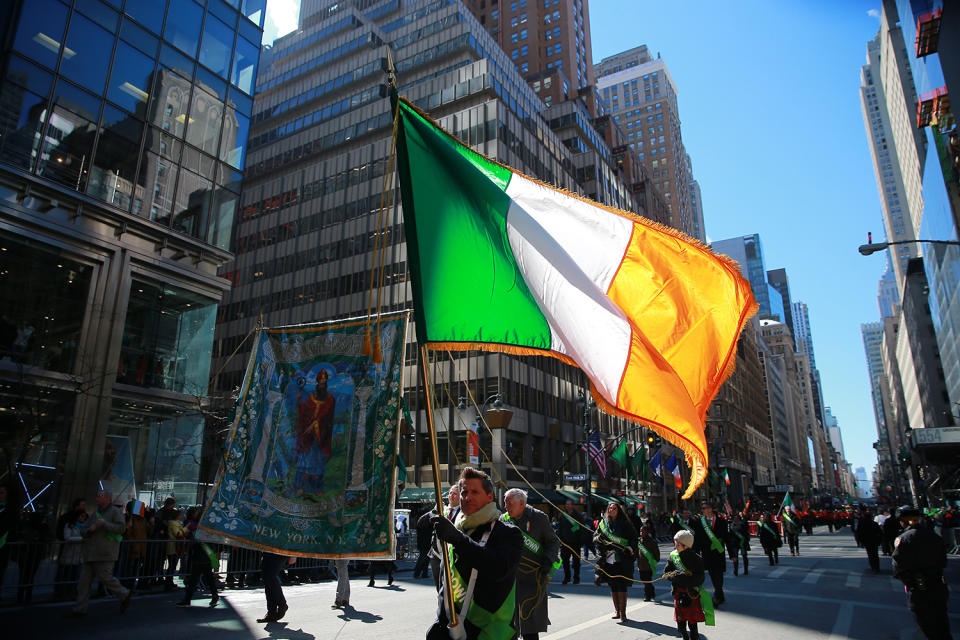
[484, 515]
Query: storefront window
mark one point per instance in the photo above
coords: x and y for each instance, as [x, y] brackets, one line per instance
[34, 428]
[43, 296]
[150, 455]
[167, 339]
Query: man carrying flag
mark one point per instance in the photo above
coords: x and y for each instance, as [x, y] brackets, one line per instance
[709, 536]
[791, 525]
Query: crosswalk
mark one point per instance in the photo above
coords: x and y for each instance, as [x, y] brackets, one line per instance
[849, 579]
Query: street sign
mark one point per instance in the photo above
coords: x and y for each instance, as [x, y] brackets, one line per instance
[576, 477]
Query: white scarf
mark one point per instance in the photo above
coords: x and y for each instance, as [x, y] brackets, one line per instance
[480, 517]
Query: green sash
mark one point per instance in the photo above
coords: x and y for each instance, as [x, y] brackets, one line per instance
[764, 525]
[743, 541]
[715, 543]
[706, 600]
[789, 519]
[493, 625]
[214, 559]
[528, 541]
[623, 542]
[574, 525]
[649, 556]
[683, 523]
[113, 537]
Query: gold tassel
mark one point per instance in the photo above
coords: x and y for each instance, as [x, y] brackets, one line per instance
[367, 349]
[377, 354]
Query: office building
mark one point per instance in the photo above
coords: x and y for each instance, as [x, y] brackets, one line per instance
[305, 239]
[640, 95]
[748, 252]
[122, 143]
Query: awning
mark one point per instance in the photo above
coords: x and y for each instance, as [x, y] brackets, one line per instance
[418, 495]
[576, 496]
[556, 497]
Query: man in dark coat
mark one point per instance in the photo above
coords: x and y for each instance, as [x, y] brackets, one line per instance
[571, 529]
[541, 548]
[869, 535]
[709, 534]
[424, 534]
[891, 530]
[485, 552]
[919, 557]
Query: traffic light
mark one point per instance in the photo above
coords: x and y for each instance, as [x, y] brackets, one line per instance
[653, 440]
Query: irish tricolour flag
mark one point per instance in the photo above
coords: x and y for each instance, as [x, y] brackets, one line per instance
[502, 262]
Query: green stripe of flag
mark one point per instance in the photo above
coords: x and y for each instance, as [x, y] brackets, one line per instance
[467, 286]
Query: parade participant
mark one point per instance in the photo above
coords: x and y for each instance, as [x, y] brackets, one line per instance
[647, 560]
[450, 511]
[791, 529]
[484, 554]
[342, 599]
[709, 533]
[891, 530]
[769, 538]
[387, 566]
[869, 535]
[738, 543]
[424, 536]
[919, 558]
[571, 530]
[273, 590]
[687, 605]
[537, 563]
[101, 547]
[201, 561]
[616, 541]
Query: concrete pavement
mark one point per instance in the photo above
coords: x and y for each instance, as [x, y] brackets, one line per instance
[828, 592]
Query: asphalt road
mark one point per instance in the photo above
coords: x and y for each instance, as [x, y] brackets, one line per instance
[827, 592]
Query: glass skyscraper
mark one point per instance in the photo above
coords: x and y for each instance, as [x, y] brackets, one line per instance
[123, 128]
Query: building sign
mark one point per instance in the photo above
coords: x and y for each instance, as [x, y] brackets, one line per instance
[947, 435]
[473, 444]
[576, 477]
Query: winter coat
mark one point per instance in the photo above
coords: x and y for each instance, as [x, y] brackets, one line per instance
[496, 563]
[103, 543]
[531, 581]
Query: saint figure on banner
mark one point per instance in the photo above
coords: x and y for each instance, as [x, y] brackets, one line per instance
[314, 431]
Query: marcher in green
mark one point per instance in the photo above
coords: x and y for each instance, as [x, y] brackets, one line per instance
[616, 541]
[688, 593]
[573, 530]
[537, 563]
[485, 553]
[647, 560]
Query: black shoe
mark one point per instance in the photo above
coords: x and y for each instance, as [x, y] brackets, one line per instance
[370, 584]
[183, 603]
[390, 580]
[213, 601]
[576, 581]
[566, 580]
[125, 603]
[270, 617]
[282, 611]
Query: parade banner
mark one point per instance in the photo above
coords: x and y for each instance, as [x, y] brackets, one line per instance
[310, 462]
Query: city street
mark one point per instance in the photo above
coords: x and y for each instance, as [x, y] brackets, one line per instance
[826, 592]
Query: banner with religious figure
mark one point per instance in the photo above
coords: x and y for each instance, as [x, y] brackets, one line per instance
[310, 461]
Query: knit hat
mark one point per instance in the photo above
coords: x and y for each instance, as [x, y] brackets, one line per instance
[684, 537]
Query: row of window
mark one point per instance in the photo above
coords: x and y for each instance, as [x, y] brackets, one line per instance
[314, 64]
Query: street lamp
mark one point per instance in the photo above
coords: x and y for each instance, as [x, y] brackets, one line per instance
[586, 404]
[873, 247]
[499, 419]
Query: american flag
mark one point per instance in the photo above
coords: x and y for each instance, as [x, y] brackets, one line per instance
[594, 449]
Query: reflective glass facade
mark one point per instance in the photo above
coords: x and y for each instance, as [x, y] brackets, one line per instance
[123, 139]
[143, 104]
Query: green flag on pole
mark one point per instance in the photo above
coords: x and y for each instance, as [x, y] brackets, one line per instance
[787, 501]
[640, 463]
[621, 456]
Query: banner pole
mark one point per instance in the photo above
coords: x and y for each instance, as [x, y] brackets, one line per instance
[444, 556]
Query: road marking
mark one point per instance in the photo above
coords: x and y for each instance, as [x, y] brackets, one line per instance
[813, 576]
[853, 580]
[569, 631]
[779, 571]
[841, 626]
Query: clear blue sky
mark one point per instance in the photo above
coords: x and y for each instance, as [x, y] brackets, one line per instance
[769, 104]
